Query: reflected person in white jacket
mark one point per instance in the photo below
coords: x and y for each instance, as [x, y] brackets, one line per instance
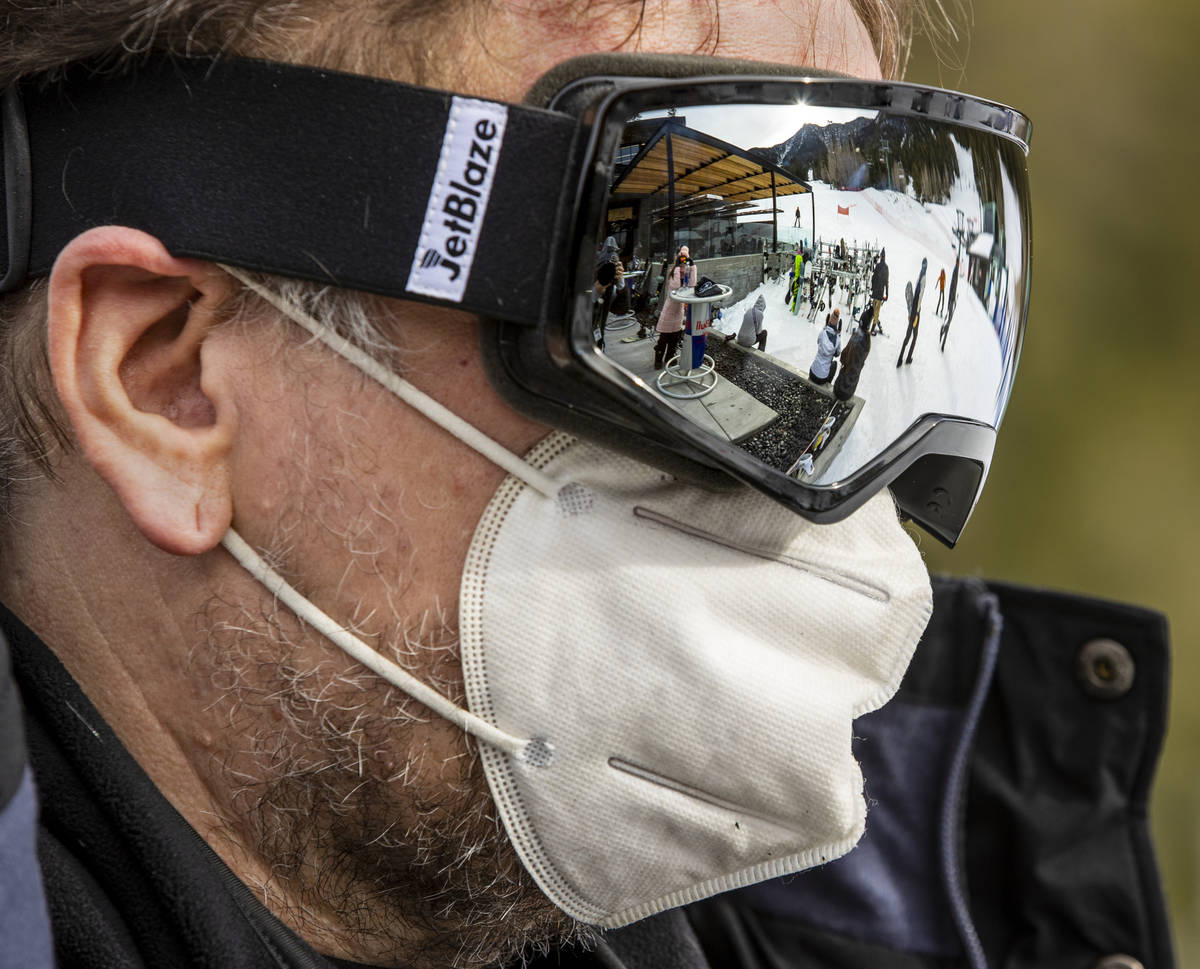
[829, 345]
[752, 331]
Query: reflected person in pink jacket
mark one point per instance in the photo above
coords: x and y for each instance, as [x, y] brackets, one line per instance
[670, 314]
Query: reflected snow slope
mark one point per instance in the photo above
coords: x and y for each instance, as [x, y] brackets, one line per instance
[961, 380]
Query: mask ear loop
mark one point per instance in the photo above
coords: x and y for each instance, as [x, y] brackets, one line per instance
[399, 677]
[278, 586]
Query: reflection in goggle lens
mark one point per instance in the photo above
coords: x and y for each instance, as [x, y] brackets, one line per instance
[806, 282]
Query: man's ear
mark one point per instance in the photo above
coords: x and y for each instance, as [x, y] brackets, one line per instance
[128, 329]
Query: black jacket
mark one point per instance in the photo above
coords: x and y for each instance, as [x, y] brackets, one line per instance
[1008, 784]
[879, 280]
[854, 358]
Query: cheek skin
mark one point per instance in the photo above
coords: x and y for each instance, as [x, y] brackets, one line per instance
[363, 455]
[446, 364]
[326, 453]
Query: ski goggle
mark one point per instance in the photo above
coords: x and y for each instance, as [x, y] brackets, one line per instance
[906, 208]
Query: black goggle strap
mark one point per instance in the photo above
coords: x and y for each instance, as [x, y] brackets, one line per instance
[317, 175]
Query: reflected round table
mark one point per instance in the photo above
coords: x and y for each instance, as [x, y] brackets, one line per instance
[692, 373]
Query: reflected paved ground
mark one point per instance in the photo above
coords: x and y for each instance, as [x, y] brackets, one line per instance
[804, 409]
[728, 411]
[759, 402]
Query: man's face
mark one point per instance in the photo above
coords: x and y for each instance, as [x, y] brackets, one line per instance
[369, 810]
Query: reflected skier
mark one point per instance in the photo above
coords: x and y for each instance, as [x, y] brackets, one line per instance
[950, 305]
[914, 315]
[854, 358]
[879, 290]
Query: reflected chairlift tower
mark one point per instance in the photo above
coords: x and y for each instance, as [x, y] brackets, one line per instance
[960, 228]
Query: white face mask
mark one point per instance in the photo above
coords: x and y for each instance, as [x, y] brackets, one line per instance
[691, 664]
[663, 679]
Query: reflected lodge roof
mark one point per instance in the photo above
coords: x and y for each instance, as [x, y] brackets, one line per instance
[703, 165]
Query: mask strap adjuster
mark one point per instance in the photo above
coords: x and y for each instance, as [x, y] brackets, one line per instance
[18, 189]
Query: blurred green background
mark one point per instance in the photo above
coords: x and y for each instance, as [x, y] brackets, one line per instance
[1095, 478]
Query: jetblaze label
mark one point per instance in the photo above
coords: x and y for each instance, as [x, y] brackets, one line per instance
[459, 200]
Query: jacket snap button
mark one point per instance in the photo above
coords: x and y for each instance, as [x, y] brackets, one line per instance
[1119, 962]
[1105, 670]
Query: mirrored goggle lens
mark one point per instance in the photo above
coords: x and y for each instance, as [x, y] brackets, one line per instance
[803, 280]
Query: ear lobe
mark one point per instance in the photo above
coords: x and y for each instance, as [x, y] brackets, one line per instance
[129, 325]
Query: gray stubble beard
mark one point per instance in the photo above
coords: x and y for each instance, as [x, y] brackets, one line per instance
[333, 785]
